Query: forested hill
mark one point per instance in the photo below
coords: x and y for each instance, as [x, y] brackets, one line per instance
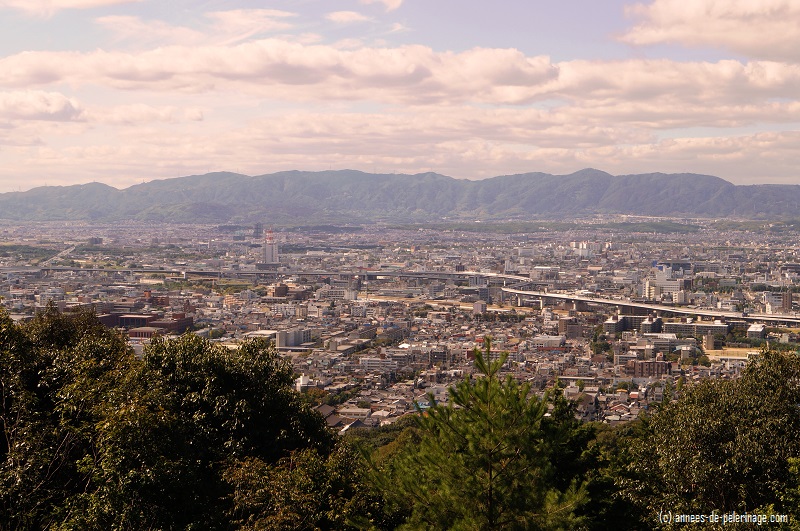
[354, 196]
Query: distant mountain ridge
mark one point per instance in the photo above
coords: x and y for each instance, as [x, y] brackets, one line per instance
[352, 196]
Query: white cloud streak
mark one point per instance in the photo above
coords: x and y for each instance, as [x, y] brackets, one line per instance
[225, 28]
[404, 144]
[147, 34]
[390, 5]
[346, 17]
[241, 24]
[764, 29]
[280, 69]
[50, 7]
[140, 113]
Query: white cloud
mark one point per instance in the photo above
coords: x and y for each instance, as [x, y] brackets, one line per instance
[390, 5]
[39, 105]
[140, 113]
[305, 39]
[182, 100]
[642, 94]
[722, 82]
[225, 28]
[765, 29]
[50, 7]
[241, 24]
[750, 158]
[346, 17]
[147, 33]
[445, 142]
[462, 141]
[281, 69]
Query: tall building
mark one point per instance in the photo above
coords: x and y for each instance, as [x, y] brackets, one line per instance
[258, 230]
[666, 281]
[780, 302]
[270, 249]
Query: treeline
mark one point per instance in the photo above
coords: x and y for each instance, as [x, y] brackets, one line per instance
[193, 435]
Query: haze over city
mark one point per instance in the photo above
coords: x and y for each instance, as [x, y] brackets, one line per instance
[122, 92]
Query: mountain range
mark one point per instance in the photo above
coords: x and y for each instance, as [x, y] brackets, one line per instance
[301, 197]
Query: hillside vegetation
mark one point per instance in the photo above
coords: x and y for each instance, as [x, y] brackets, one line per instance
[354, 197]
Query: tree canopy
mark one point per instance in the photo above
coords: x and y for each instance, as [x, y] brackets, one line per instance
[721, 445]
[194, 435]
[95, 438]
[483, 460]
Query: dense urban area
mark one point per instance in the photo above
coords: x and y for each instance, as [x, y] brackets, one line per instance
[372, 376]
[386, 316]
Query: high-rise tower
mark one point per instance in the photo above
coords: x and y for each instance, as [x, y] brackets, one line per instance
[258, 230]
[270, 249]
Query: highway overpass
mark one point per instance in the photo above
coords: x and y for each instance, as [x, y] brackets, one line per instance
[511, 283]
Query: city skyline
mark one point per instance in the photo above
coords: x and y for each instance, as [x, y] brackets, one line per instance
[122, 92]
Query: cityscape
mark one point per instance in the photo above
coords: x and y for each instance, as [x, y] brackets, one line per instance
[399, 265]
[391, 314]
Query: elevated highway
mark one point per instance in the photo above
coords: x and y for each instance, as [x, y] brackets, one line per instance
[661, 309]
[510, 284]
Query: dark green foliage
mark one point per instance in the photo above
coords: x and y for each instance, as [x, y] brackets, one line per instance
[205, 408]
[240, 402]
[484, 461]
[605, 462]
[789, 499]
[96, 439]
[722, 445]
[372, 439]
[55, 373]
[306, 491]
[26, 252]
[599, 342]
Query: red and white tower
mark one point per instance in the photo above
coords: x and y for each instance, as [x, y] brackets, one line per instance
[270, 248]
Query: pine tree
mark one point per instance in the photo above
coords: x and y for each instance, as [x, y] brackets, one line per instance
[483, 461]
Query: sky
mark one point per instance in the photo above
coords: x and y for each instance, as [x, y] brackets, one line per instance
[127, 91]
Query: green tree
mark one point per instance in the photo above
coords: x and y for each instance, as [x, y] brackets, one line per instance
[599, 342]
[606, 461]
[306, 490]
[483, 460]
[198, 409]
[94, 438]
[789, 498]
[55, 374]
[721, 445]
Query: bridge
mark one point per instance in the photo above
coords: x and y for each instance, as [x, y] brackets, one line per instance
[775, 319]
[511, 285]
